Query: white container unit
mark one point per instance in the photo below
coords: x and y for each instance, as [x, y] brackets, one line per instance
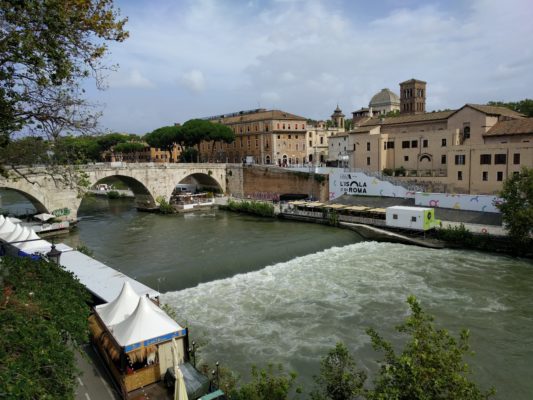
[417, 218]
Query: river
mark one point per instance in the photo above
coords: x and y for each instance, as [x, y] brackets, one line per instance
[260, 291]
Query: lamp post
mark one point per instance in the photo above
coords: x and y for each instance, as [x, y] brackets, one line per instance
[54, 254]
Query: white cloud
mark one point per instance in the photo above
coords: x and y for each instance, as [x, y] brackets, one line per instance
[304, 57]
[193, 80]
[132, 79]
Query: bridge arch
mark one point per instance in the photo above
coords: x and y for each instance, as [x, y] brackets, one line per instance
[143, 197]
[203, 182]
[34, 198]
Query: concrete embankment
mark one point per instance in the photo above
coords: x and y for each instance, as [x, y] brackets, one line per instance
[370, 232]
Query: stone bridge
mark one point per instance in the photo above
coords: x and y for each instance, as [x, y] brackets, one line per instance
[52, 193]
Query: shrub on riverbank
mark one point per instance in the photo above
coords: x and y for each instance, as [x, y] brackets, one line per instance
[251, 207]
[113, 194]
[43, 316]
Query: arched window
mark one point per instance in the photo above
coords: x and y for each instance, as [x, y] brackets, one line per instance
[466, 132]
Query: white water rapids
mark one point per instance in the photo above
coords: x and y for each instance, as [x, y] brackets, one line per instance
[294, 312]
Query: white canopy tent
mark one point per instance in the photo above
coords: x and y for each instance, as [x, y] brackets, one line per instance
[120, 308]
[44, 216]
[146, 326]
[10, 236]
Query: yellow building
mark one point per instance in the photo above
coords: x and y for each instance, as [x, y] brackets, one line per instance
[264, 136]
[469, 150]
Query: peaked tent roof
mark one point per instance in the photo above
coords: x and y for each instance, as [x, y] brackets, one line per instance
[6, 226]
[34, 242]
[145, 326]
[9, 236]
[120, 308]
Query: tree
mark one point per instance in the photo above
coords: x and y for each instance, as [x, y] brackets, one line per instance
[430, 366]
[517, 206]
[339, 379]
[268, 384]
[523, 106]
[219, 133]
[106, 142]
[46, 49]
[40, 327]
[130, 148]
[165, 138]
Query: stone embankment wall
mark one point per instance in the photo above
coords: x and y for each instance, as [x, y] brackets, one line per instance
[258, 182]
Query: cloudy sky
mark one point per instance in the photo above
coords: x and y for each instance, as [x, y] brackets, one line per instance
[187, 59]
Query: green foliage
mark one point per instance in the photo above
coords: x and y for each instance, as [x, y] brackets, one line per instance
[82, 248]
[259, 208]
[339, 379]
[42, 319]
[392, 114]
[165, 138]
[320, 177]
[106, 142]
[195, 131]
[458, 234]
[113, 194]
[47, 48]
[77, 150]
[517, 206]
[269, 384]
[164, 206]
[523, 106]
[189, 155]
[399, 171]
[430, 366]
[25, 151]
[333, 218]
[387, 171]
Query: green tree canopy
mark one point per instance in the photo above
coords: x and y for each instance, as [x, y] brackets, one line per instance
[165, 138]
[339, 378]
[517, 206]
[46, 49]
[523, 106]
[195, 131]
[268, 384]
[429, 367]
[106, 142]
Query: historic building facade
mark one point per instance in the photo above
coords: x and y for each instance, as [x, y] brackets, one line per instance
[262, 136]
[469, 150]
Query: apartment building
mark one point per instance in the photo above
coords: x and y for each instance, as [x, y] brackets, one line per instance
[266, 136]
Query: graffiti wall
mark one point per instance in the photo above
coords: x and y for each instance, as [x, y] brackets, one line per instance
[360, 184]
[458, 201]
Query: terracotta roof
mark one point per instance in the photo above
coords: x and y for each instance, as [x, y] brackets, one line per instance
[494, 110]
[406, 119]
[513, 127]
[360, 130]
[412, 80]
[261, 116]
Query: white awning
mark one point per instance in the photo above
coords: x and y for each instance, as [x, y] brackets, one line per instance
[147, 325]
[119, 309]
[98, 278]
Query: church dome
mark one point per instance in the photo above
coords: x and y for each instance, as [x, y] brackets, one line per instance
[384, 98]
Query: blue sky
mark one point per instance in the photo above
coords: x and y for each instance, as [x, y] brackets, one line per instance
[187, 59]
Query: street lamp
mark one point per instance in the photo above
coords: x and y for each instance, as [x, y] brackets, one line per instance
[54, 254]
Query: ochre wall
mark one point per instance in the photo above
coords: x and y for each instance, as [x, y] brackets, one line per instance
[259, 180]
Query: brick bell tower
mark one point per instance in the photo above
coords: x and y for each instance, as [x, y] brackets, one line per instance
[413, 97]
